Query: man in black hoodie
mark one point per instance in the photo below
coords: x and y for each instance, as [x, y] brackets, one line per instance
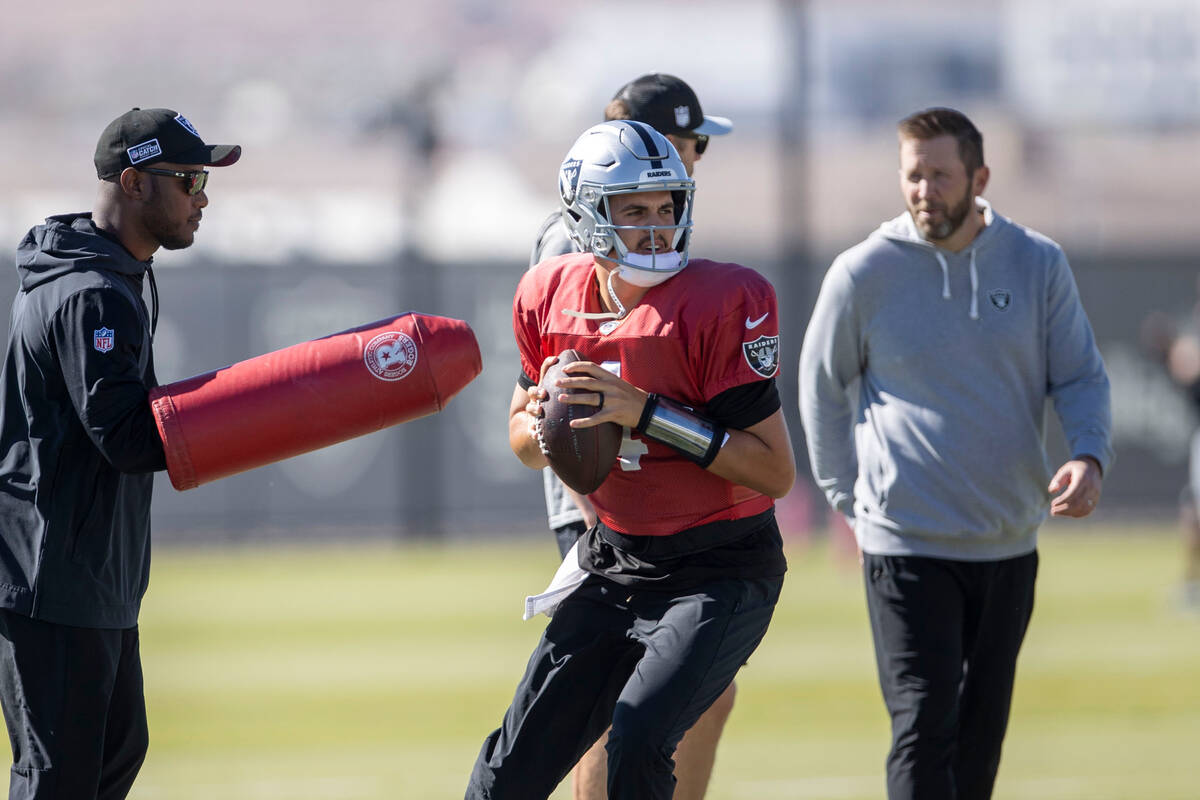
[78, 449]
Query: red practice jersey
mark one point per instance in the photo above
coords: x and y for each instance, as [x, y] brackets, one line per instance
[707, 329]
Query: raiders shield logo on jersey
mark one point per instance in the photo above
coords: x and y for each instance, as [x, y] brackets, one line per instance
[763, 355]
[1001, 298]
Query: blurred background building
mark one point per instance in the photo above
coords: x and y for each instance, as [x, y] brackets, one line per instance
[400, 155]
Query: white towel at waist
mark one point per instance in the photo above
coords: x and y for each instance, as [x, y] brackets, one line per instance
[566, 580]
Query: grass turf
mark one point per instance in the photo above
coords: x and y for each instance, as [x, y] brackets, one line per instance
[375, 671]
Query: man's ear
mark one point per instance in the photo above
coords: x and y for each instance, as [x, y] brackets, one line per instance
[135, 184]
[980, 179]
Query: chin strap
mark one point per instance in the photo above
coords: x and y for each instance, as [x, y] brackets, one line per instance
[612, 292]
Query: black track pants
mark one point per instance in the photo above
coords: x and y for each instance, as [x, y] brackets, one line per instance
[75, 710]
[947, 634]
[648, 662]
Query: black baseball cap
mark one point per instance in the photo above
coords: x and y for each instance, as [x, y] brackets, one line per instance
[669, 105]
[141, 137]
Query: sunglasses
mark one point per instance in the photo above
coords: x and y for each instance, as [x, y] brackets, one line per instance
[194, 182]
[700, 139]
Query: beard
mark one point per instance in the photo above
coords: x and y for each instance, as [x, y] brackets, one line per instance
[169, 235]
[954, 216]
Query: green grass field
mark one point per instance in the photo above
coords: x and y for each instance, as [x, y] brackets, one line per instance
[370, 671]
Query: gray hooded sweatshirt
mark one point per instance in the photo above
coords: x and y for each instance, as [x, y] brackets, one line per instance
[924, 377]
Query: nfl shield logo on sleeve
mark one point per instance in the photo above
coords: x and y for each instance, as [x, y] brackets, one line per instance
[102, 339]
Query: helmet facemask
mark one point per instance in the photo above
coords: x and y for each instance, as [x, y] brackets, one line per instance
[623, 157]
[644, 269]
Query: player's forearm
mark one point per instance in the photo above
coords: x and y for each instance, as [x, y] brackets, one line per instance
[521, 437]
[583, 504]
[523, 443]
[759, 458]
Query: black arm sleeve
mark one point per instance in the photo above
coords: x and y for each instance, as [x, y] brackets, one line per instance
[525, 382]
[106, 386]
[745, 405]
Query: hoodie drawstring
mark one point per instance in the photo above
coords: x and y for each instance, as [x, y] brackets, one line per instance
[945, 275]
[974, 282]
[974, 287]
[153, 301]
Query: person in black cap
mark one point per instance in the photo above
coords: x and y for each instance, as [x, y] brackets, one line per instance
[78, 449]
[670, 106]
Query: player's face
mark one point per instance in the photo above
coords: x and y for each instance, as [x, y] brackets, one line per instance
[937, 189]
[643, 209]
[169, 214]
[687, 151]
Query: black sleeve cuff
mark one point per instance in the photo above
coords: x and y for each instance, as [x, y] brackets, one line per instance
[745, 405]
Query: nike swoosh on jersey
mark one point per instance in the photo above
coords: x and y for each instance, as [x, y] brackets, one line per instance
[751, 325]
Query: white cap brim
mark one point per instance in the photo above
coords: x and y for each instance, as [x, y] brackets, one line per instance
[714, 126]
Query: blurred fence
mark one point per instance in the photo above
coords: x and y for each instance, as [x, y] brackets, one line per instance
[453, 474]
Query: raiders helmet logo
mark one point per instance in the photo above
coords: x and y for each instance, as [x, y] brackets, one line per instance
[683, 116]
[762, 355]
[568, 179]
[1001, 298]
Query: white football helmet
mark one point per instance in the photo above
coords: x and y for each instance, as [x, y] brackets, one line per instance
[623, 157]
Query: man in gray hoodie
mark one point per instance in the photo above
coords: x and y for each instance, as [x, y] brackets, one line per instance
[78, 449]
[924, 373]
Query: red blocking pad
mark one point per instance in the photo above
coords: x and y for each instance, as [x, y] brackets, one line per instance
[312, 395]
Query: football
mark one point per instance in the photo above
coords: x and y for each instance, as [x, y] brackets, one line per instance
[581, 457]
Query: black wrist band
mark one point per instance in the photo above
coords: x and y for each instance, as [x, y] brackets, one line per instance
[647, 410]
[696, 438]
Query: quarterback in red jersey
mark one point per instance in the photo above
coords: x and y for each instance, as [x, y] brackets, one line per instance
[684, 568]
[711, 328]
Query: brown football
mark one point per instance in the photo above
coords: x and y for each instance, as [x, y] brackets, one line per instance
[581, 457]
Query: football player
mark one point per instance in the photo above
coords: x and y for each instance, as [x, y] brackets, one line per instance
[684, 567]
[670, 106]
